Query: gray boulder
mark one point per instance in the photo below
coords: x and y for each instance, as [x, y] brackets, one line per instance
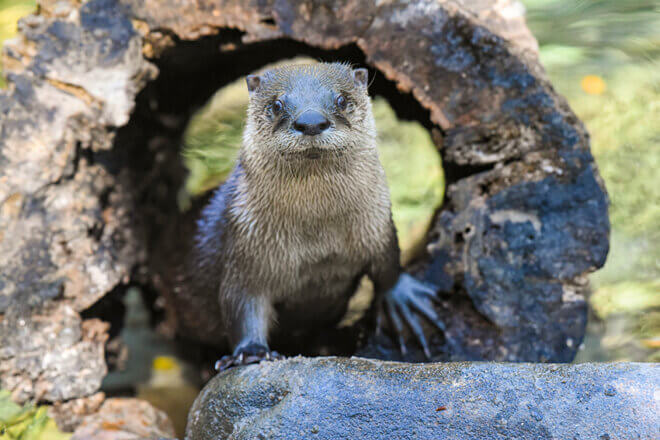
[339, 398]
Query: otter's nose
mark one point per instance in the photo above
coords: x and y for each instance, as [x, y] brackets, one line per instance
[311, 123]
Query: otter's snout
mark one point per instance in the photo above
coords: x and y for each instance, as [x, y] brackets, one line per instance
[311, 123]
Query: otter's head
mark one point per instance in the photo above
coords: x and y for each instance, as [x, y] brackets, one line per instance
[307, 112]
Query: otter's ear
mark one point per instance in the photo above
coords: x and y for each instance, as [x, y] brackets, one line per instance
[253, 82]
[361, 77]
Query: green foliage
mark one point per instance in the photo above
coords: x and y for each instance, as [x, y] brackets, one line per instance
[597, 28]
[26, 422]
[414, 173]
[10, 12]
[640, 296]
[213, 138]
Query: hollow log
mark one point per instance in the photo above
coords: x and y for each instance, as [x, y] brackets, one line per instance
[331, 398]
[100, 92]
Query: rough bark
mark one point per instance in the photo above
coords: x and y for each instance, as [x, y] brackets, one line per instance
[99, 94]
[67, 232]
[332, 398]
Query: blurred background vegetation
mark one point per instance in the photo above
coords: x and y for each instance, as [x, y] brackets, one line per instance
[26, 422]
[602, 55]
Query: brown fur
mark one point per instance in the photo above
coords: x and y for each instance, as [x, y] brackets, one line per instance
[301, 218]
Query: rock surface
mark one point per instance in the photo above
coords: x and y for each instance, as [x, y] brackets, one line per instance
[336, 398]
[53, 355]
[99, 95]
[125, 419]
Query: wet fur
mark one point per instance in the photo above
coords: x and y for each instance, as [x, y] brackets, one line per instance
[284, 241]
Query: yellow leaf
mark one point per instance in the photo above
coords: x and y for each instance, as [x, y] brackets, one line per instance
[593, 84]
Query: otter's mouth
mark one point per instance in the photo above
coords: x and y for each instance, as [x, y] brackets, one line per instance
[313, 153]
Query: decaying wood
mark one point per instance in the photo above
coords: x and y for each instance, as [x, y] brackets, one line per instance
[99, 94]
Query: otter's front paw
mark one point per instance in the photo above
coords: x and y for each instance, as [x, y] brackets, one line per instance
[407, 301]
[250, 353]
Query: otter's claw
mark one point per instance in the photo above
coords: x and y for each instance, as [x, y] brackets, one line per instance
[245, 355]
[408, 299]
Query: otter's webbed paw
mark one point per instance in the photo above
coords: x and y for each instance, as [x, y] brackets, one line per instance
[251, 353]
[406, 302]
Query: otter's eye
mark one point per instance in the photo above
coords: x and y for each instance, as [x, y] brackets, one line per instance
[341, 102]
[277, 107]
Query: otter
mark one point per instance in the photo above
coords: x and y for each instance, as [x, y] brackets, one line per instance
[304, 215]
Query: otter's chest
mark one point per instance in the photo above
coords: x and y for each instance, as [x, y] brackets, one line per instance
[317, 234]
[321, 257]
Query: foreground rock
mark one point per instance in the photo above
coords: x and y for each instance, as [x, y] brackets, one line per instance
[332, 398]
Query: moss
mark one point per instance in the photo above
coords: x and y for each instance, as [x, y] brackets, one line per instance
[26, 422]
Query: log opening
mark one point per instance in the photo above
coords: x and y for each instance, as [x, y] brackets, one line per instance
[89, 187]
[150, 145]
